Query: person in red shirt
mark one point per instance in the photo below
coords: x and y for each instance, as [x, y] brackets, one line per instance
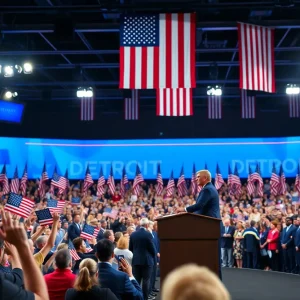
[62, 278]
[116, 197]
[272, 241]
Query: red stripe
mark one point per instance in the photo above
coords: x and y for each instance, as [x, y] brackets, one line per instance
[171, 102]
[132, 68]
[257, 29]
[121, 68]
[246, 60]
[193, 50]
[273, 60]
[252, 55]
[168, 35]
[180, 63]
[240, 55]
[156, 67]
[144, 68]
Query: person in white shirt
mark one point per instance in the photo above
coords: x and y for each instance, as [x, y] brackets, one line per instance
[122, 249]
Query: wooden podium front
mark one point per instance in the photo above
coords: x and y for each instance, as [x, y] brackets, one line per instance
[188, 238]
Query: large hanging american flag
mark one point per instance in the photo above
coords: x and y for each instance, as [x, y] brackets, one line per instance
[4, 181]
[124, 183]
[131, 109]
[282, 186]
[215, 107]
[18, 205]
[174, 102]
[15, 182]
[159, 182]
[181, 184]
[111, 181]
[294, 106]
[274, 181]
[297, 181]
[247, 105]
[157, 51]
[256, 56]
[43, 178]
[88, 180]
[170, 186]
[137, 180]
[24, 179]
[100, 184]
[219, 181]
[87, 108]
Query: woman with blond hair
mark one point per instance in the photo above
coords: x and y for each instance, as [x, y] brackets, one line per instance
[86, 285]
[122, 249]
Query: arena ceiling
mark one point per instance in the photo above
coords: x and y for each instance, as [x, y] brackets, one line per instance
[75, 43]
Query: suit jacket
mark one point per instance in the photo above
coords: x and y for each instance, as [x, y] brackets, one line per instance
[227, 242]
[207, 203]
[288, 236]
[119, 283]
[273, 235]
[73, 231]
[141, 244]
[297, 237]
[100, 234]
[251, 240]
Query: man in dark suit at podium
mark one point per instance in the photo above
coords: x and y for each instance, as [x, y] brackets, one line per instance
[207, 203]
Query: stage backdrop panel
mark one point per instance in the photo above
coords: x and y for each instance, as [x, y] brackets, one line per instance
[170, 153]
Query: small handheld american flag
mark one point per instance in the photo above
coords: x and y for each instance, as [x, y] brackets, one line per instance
[55, 205]
[73, 252]
[75, 200]
[87, 232]
[18, 205]
[44, 217]
[88, 247]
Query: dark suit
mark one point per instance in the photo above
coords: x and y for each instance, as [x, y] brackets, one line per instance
[73, 231]
[207, 204]
[297, 253]
[100, 234]
[119, 283]
[227, 246]
[144, 257]
[157, 248]
[251, 247]
[289, 253]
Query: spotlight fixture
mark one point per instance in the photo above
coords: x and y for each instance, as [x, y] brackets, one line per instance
[292, 89]
[8, 71]
[214, 91]
[9, 94]
[18, 69]
[85, 92]
[27, 67]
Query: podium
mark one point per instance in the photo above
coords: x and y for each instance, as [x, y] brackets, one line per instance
[188, 238]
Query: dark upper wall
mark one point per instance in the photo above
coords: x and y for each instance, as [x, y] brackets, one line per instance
[60, 119]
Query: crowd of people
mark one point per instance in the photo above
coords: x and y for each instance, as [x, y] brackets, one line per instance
[257, 232]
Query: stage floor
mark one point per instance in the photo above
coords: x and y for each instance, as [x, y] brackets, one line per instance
[247, 284]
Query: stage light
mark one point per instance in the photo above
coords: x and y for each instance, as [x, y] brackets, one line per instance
[18, 68]
[292, 89]
[9, 94]
[8, 71]
[27, 68]
[85, 92]
[214, 91]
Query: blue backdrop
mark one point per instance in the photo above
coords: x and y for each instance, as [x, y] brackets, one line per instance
[171, 153]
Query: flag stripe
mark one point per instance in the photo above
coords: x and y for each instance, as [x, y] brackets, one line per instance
[247, 105]
[294, 107]
[132, 106]
[214, 107]
[87, 109]
[256, 55]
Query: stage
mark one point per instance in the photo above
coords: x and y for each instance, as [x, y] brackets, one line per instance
[247, 284]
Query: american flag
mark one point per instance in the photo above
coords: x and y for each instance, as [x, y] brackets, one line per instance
[215, 107]
[43, 178]
[4, 181]
[111, 181]
[15, 182]
[87, 108]
[137, 180]
[250, 183]
[55, 205]
[274, 181]
[219, 181]
[294, 106]
[44, 217]
[297, 181]
[174, 102]
[247, 105]
[235, 183]
[87, 232]
[88, 247]
[131, 111]
[194, 181]
[124, 182]
[159, 182]
[282, 186]
[181, 184]
[229, 179]
[256, 55]
[73, 252]
[100, 184]
[170, 186]
[88, 180]
[18, 205]
[157, 51]
[256, 177]
[75, 200]
[59, 181]
[24, 179]
[111, 214]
